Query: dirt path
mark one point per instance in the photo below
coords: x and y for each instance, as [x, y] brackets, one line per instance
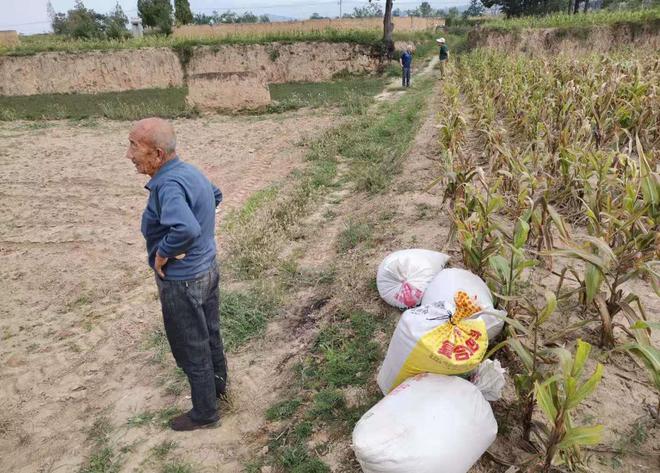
[393, 90]
[78, 300]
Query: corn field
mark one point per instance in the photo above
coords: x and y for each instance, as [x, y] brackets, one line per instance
[550, 167]
[292, 27]
[568, 20]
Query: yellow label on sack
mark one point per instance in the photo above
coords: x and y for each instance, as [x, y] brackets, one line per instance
[454, 347]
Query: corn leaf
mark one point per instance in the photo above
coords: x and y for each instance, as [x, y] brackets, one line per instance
[581, 355]
[500, 265]
[571, 387]
[520, 233]
[650, 356]
[496, 348]
[587, 388]
[522, 352]
[550, 306]
[565, 360]
[604, 249]
[585, 256]
[650, 185]
[643, 324]
[544, 400]
[559, 222]
[593, 279]
[513, 322]
[643, 330]
[582, 436]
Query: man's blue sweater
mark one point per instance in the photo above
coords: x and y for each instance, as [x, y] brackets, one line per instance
[180, 218]
[406, 59]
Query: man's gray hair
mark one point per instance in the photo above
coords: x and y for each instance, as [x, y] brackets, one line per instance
[164, 137]
[158, 133]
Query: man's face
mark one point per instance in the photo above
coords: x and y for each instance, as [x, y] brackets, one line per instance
[146, 158]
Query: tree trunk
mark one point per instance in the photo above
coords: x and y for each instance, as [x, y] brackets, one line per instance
[388, 28]
[586, 5]
[577, 7]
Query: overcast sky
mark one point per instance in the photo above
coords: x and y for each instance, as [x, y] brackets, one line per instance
[29, 16]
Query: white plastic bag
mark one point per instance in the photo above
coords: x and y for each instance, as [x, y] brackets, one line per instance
[451, 280]
[429, 424]
[404, 275]
[489, 379]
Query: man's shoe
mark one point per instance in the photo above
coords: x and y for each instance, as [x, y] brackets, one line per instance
[184, 423]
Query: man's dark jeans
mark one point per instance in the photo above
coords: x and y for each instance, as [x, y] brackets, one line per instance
[192, 324]
[406, 76]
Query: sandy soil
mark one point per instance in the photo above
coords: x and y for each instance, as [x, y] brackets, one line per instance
[78, 300]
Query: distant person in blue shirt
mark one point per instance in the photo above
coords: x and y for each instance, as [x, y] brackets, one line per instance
[406, 65]
[178, 225]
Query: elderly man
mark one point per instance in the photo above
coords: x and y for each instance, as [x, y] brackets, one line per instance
[178, 225]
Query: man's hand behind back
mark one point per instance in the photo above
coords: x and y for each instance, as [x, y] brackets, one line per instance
[161, 261]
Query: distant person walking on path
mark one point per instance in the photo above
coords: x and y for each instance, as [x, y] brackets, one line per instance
[444, 56]
[406, 65]
[178, 225]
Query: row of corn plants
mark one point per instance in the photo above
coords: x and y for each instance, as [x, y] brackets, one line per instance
[563, 183]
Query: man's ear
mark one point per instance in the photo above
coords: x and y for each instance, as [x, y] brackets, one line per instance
[161, 154]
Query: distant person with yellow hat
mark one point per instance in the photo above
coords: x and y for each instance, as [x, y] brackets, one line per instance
[444, 56]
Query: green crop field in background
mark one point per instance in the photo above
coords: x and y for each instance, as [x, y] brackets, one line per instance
[128, 105]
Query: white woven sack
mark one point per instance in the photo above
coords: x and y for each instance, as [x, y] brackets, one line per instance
[449, 281]
[404, 275]
[413, 325]
[430, 424]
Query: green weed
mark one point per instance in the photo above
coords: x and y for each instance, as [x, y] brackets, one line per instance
[296, 459]
[327, 403]
[159, 418]
[144, 418]
[100, 431]
[103, 461]
[177, 467]
[253, 466]
[393, 69]
[177, 382]
[353, 234]
[345, 92]
[164, 448]
[158, 344]
[244, 315]
[81, 301]
[255, 202]
[283, 409]
[349, 351]
[303, 430]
